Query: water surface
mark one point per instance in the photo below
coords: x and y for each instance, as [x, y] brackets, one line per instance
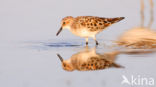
[29, 47]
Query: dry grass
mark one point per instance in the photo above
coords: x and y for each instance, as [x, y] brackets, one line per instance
[143, 38]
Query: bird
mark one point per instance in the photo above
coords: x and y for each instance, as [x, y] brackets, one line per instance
[87, 26]
[89, 60]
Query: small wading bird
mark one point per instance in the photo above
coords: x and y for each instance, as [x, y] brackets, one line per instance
[87, 26]
[87, 60]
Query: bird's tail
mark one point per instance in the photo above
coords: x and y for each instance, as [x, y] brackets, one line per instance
[114, 20]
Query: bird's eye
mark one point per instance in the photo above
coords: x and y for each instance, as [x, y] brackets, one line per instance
[64, 65]
[64, 22]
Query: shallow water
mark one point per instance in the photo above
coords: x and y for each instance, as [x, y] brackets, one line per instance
[29, 47]
[35, 64]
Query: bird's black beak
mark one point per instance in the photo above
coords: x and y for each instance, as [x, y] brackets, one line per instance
[60, 57]
[59, 31]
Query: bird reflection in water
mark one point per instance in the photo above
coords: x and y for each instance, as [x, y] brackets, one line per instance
[88, 59]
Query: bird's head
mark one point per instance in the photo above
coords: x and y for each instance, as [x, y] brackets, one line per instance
[66, 64]
[65, 23]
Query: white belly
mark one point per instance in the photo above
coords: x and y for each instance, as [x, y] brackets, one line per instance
[84, 33]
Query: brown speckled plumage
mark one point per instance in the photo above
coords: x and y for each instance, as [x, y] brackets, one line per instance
[87, 26]
[94, 63]
[90, 60]
[92, 23]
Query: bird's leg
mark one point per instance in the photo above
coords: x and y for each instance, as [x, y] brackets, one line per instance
[93, 50]
[95, 40]
[86, 41]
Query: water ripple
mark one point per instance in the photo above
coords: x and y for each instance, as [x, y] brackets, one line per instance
[62, 44]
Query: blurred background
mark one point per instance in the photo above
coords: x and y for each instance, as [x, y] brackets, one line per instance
[32, 20]
[28, 29]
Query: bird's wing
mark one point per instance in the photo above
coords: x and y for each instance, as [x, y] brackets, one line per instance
[91, 23]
